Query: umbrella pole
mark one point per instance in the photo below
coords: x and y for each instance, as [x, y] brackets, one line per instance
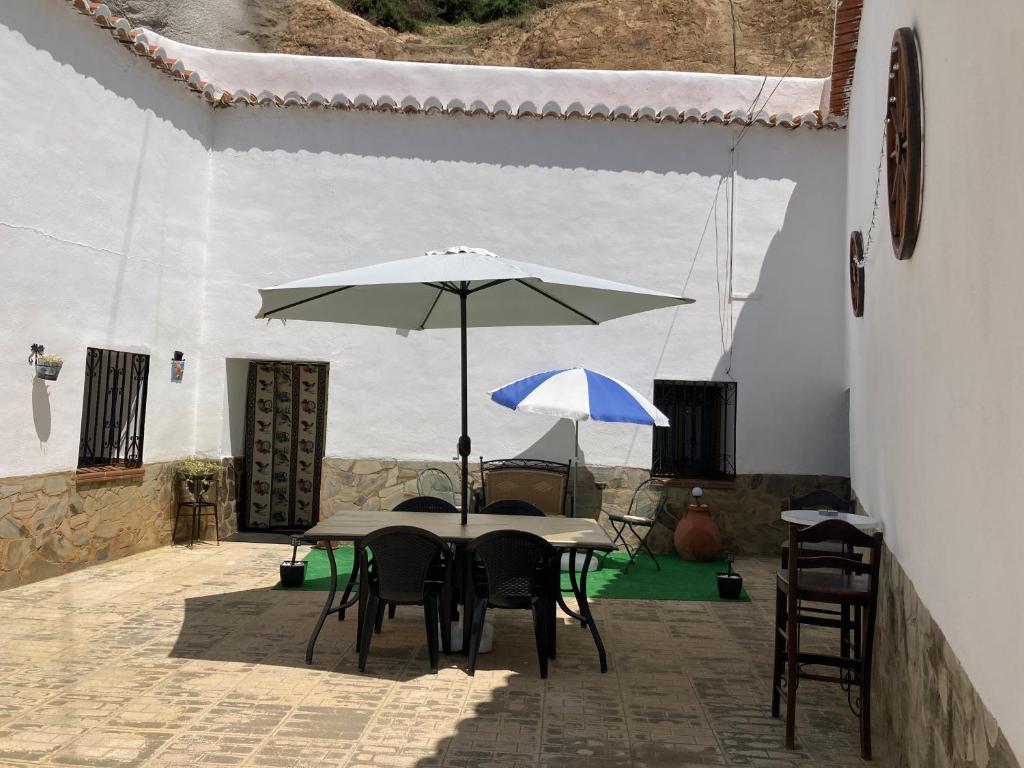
[576, 466]
[464, 442]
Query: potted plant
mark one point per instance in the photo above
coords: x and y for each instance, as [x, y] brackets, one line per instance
[730, 585]
[197, 474]
[293, 572]
[48, 367]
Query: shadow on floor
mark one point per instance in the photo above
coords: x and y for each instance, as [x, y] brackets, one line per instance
[256, 537]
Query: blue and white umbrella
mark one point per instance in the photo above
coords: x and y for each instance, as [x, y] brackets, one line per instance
[579, 394]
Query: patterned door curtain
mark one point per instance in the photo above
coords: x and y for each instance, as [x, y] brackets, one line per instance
[284, 444]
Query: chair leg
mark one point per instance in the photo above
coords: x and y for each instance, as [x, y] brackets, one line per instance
[780, 651]
[845, 628]
[430, 618]
[378, 622]
[391, 610]
[364, 644]
[216, 523]
[540, 632]
[644, 545]
[792, 674]
[445, 609]
[479, 614]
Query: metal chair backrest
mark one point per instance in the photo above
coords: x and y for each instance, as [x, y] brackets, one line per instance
[518, 566]
[821, 499]
[424, 504]
[512, 507]
[545, 484]
[435, 482]
[649, 501]
[402, 558]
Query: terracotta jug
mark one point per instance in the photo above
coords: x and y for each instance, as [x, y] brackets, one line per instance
[697, 536]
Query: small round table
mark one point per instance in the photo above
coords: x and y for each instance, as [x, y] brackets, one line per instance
[813, 516]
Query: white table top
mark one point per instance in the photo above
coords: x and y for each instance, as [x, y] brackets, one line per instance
[812, 516]
[561, 532]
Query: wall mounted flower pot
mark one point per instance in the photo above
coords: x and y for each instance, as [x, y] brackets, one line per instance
[47, 370]
[293, 573]
[177, 370]
[730, 585]
[697, 536]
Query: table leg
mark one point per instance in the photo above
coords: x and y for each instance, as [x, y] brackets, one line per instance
[581, 597]
[327, 609]
[575, 591]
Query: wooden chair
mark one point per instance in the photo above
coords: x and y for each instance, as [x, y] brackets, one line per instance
[818, 499]
[837, 579]
[849, 621]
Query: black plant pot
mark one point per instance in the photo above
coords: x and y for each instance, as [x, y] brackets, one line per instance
[730, 585]
[293, 573]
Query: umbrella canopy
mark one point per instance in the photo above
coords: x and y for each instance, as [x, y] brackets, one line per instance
[579, 394]
[441, 290]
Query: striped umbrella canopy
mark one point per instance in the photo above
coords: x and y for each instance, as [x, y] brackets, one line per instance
[579, 394]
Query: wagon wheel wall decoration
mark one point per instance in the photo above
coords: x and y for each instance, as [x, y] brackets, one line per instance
[904, 142]
[857, 273]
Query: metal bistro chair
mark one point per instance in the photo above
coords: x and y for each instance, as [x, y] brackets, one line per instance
[398, 565]
[512, 507]
[646, 509]
[435, 482]
[518, 573]
[838, 579]
[545, 484]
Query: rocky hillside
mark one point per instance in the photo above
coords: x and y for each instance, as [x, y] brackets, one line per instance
[688, 35]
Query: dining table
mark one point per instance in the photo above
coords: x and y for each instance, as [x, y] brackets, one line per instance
[815, 516]
[566, 534]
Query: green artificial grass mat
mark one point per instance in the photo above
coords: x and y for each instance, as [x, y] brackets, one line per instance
[678, 579]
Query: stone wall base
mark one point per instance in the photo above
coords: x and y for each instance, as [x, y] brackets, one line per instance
[924, 704]
[50, 524]
[747, 509]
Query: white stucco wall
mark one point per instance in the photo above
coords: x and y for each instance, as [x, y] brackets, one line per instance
[102, 223]
[152, 218]
[301, 192]
[936, 364]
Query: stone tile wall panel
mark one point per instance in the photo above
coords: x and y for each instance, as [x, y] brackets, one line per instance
[921, 686]
[49, 524]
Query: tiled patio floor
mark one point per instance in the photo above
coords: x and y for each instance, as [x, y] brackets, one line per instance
[187, 658]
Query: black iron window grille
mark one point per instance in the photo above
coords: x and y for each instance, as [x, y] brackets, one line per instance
[701, 439]
[113, 409]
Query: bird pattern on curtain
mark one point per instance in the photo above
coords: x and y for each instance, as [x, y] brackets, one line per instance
[284, 444]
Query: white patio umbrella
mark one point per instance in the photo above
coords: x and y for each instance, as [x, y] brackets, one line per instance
[459, 287]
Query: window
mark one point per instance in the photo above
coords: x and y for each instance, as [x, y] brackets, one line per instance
[701, 439]
[113, 410]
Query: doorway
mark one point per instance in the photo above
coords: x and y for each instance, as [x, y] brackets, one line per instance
[286, 416]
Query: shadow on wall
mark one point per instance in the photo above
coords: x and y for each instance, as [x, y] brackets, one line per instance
[559, 444]
[41, 411]
[79, 43]
[787, 352]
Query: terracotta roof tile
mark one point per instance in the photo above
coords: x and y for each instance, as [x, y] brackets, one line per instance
[844, 54]
[135, 40]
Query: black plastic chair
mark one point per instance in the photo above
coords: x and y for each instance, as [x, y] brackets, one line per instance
[425, 504]
[512, 507]
[399, 565]
[518, 573]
